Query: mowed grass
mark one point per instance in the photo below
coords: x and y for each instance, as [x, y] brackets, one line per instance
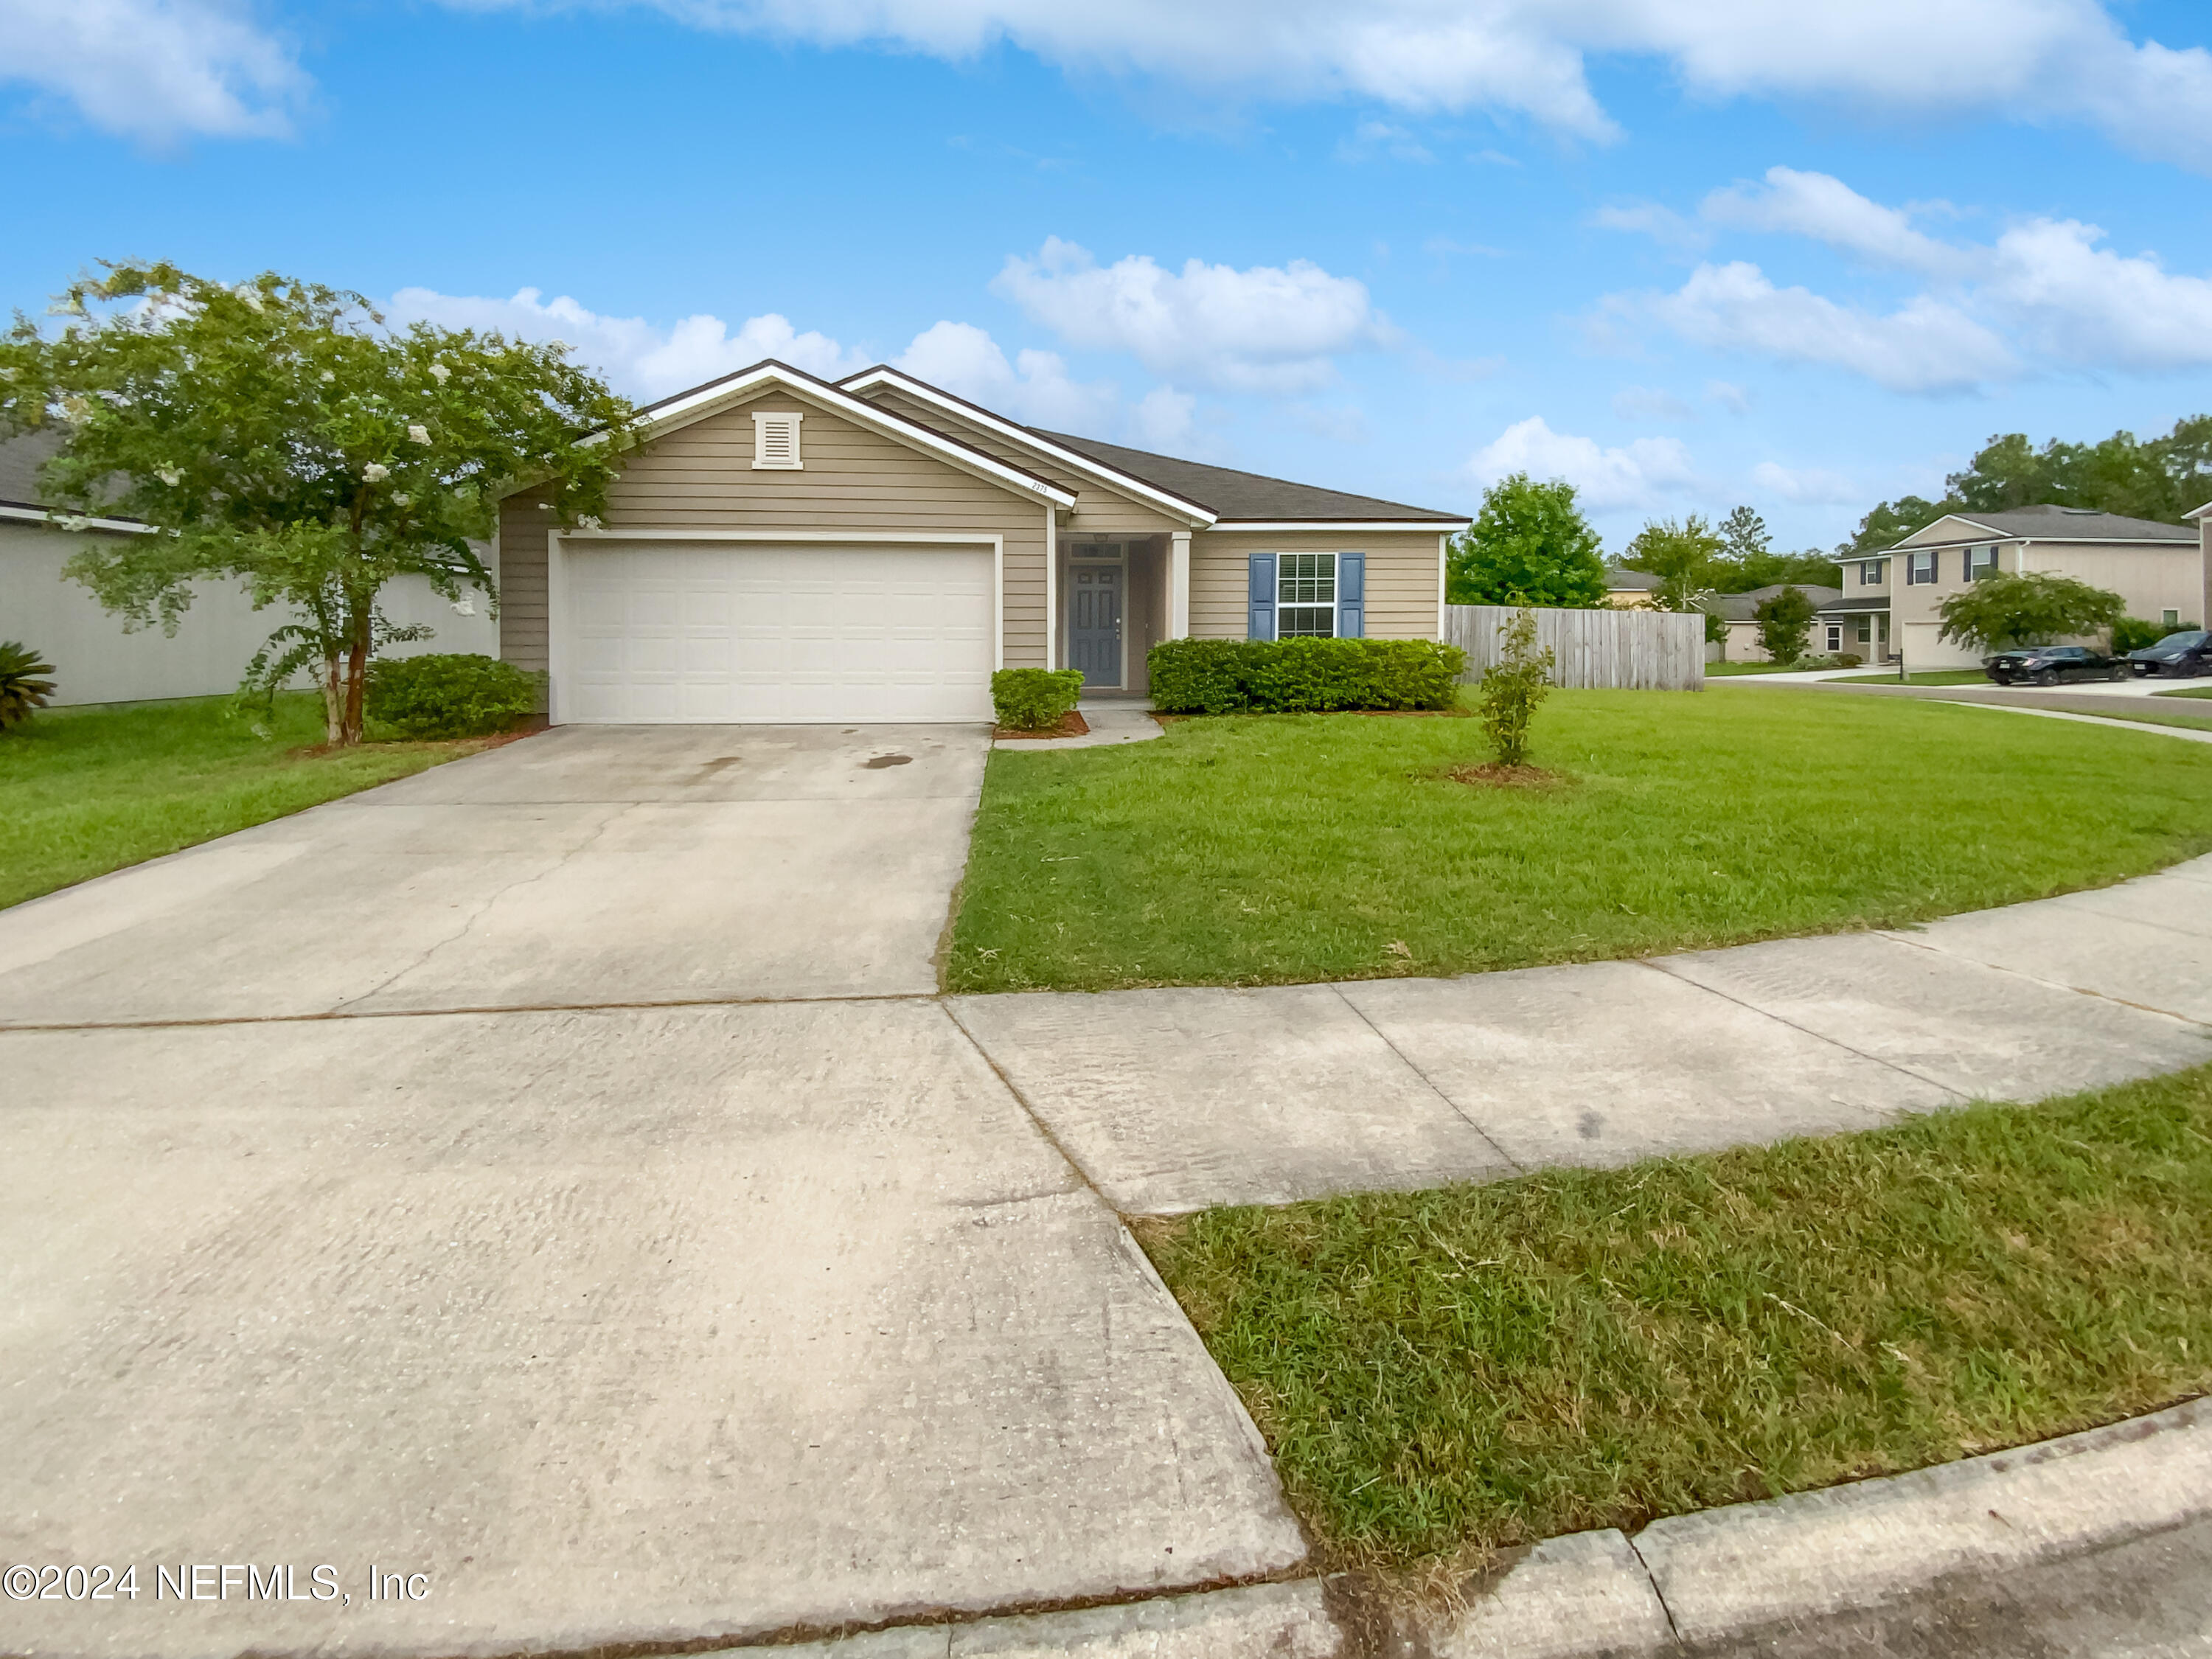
[85, 791]
[1446, 1372]
[1293, 848]
[1935, 677]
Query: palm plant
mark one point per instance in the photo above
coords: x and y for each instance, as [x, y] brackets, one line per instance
[23, 685]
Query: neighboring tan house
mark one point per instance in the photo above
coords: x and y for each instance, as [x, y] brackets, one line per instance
[2159, 569]
[96, 662]
[783, 549]
[1858, 620]
[1741, 612]
[1630, 590]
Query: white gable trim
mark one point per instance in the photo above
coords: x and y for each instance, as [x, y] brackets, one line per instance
[1121, 481]
[1985, 533]
[70, 522]
[718, 395]
[1341, 526]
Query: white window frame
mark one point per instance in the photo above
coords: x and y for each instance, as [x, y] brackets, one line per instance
[763, 420]
[1870, 572]
[2172, 619]
[1981, 562]
[1917, 574]
[1835, 637]
[1283, 606]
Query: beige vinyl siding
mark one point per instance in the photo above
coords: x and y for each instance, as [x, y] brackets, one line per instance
[2151, 577]
[1100, 511]
[700, 476]
[1404, 583]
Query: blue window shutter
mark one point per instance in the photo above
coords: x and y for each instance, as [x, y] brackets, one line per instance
[1352, 596]
[1262, 622]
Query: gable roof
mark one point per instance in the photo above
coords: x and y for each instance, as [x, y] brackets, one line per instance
[681, 409]
[1252, 497]
[1617, 580]
[1744, 607]
[2050, 523]
[21, 457]
[1029, 438]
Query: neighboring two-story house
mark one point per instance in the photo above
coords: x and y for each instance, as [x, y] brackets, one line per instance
[2159, 569]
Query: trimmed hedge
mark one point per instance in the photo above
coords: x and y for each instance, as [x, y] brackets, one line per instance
[1303, 675]
[1034, 699]
[448, 694]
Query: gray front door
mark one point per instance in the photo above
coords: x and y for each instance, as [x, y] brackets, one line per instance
[1094, 623]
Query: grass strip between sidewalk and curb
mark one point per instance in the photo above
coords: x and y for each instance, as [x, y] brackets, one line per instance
[90, 790]
[1290, 849]
[1443, 1373]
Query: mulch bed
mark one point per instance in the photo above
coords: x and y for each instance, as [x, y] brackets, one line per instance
[1072, 725]
[1490, 775]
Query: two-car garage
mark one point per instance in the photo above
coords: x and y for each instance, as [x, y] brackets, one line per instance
[744, 631]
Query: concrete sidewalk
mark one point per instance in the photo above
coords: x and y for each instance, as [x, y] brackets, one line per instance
[1173, 1100]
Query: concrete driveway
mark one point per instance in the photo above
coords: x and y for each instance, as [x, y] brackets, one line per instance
[588, 867]
[616, 1323]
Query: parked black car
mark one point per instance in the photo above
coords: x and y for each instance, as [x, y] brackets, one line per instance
[2179, 655]
[2047, 664]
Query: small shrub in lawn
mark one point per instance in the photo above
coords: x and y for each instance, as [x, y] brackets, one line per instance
[1034, 699]
[24, 687]
[1303, 675]
[448, 694]
[1512, 687]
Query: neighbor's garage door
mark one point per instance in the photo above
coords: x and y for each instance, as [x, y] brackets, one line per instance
[705, 631]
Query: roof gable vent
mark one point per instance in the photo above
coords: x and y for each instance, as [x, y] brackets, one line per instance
[776, 438]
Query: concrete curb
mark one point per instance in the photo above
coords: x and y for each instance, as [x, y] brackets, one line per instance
[1681, 1585]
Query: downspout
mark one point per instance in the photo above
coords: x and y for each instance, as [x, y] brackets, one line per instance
[1051, 587]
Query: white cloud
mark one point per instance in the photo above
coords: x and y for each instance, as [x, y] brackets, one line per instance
[1644, 403]
[1809, 486]
[1376, 140]
[1925, 345]
[1728, 395]
[1636, 475]
[1162, 420]
[2045, 61]
[1269, 330]
[1827, 209]
[2082, 304]
[156, 70]
[638, 359]
[1035, 388]
[1662, 225]
[2044, 289]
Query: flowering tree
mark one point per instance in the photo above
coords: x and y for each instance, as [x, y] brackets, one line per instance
[277, 433]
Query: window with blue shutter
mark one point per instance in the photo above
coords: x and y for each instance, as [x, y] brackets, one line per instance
[1352, 596]
[1261, 618]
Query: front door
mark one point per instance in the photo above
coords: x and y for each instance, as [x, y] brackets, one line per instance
[1094, 623]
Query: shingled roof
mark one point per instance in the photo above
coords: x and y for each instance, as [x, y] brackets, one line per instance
[2049, 523]
[1248, 496]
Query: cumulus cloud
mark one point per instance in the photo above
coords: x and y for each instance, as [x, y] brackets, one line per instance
[1035, 388]
[1270, 329]
[155, 70]
[1635, 475]
[1925, 345]
[638, 359]
[2045, 289]
[1809, 486]
[1827, 209]
[2047, 61]
[1662, 224]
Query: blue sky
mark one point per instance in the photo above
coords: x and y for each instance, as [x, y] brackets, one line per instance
[1686, 252]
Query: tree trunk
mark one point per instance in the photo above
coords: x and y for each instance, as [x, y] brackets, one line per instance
[357, 670]
[333, 708]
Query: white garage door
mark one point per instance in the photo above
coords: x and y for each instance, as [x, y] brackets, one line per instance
[749, 632]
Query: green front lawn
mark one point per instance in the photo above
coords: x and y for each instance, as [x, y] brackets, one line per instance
[84, 791]
[1283, 849]
[1443, 1372]
[1725, 670]
[1938, 676]
[2193, 691]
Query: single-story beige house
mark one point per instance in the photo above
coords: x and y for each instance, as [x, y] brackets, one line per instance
[1740, 612]
[787, 549]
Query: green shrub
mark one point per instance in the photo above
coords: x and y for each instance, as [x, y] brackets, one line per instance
[1034, 699]
[1303, 675]
[24, 687]
[448, 694]
[2134, 634]
[1513, 687]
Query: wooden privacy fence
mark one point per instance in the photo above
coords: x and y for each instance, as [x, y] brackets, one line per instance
[1616, 650]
